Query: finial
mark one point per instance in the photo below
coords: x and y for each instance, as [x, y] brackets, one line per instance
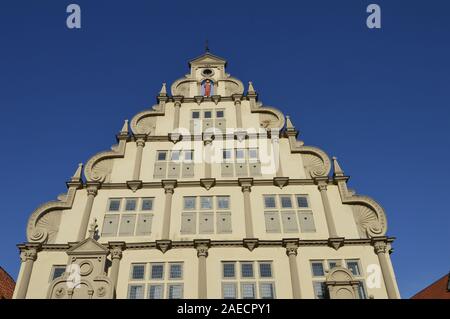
[77, 176]
[207, 46]
[289, 124]
[251, 89]
[92, 228]
[124, 128]
[337, 168]
[163, 91]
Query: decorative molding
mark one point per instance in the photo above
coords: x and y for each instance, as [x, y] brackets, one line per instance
[202, 246]
[134, 185]
[164, 245]
[280, 181]
[208, 183]
[336, 242]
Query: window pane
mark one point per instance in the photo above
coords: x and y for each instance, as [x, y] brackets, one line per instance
[157, 272]
[247, 270]
[353, 266]
[208, 114]
[196, 115]
[219, 114]
[361, 291]
[240, 154]
[188, 155]
[114, 205]
[317, 268]
[162, 155]
[269, 202]
[267, 291]
[223, 202]
[228, 270]
[286, 202]
[147, 204]
[248, 291]
[229, 291]
[302, 201]
[333, 264]
[176, 271]
[130, 204]
[265, 270]
[175, 291]
[58, 271]
[175, 156]
[226, 154]
[206, 202]
[253, 153]
[136, 292]
[138, 272]
[155, 292]
[189, 203]
[320, 290]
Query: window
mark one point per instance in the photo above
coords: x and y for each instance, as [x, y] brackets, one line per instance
[157, 271]
[220, 114]
[114, 205]
[195, 114]
[317, 268]
[333, 264]
[247, 270]
[188, 155]
[240, 154]
[320, 290]
[353, 266]
[267, 290]
[176, 271]
[253, 154]
[147, 204]
[175, 291]
[361, 290]
[130, 205]
[156, 291]
[269, 202]
[136, 292]
[137, 272]
[302, 201]
[206, 202]
[248, 291]
[208, 114]
[223, 202]
[265, 270]
[161, 155]
[57, 271]
[229, 291]
[228, 270]
[227, 154]
[175, 156]
[189, 202]
[286, 202]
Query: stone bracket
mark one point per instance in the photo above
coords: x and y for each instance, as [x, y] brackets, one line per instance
[250, 243]
[336, 242]
[134, 185]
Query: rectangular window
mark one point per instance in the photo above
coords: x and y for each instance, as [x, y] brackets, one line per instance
[136, 292]
[157, 271]
[208, 114]
[155, 291]
[175, 291]
[176, 271]
[175, 156]
[247, 270]
[114, 205]
[229, 291]
[267, 290]
[253, 154]
[189, 202]
[195, 114]
[188, 155]
[265, 270]
[361, 290]
[223, 202]
[333, 264]
[229, 270]
[240, 154]
[130, 204]
[57, 271]
[302, 201]
[226, 154]
[353, 266]
[147, 204]
[286, 202]
[248, 290]
[220, 114]
[320, 290]
[161, 155]
[137, 272]
[317, 268]
[269, 202]
[206, 202]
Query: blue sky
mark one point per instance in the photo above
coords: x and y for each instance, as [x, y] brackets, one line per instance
[377, 99]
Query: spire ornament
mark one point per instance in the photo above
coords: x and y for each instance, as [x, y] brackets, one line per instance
[337, 170]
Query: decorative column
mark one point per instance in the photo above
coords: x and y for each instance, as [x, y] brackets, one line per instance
[177, 105]
[322, 185]
[169, 188]
[116, 249]
[381, 249]
[237, 103]
[291, 251]
[208, 153]
[202, 247]
[140, 143]
[276, 152]
[92, 189]
[28, 256]
[246, 186]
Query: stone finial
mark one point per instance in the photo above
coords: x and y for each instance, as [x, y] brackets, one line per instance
[289, 124]
[77, 176]
[337, 168]
[251, 89]
[163, 91]
[124, 129]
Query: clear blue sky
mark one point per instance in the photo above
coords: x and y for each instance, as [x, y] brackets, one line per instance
[377, 99]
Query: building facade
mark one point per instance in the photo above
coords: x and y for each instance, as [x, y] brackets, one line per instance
[208, 194]
[7, 285]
